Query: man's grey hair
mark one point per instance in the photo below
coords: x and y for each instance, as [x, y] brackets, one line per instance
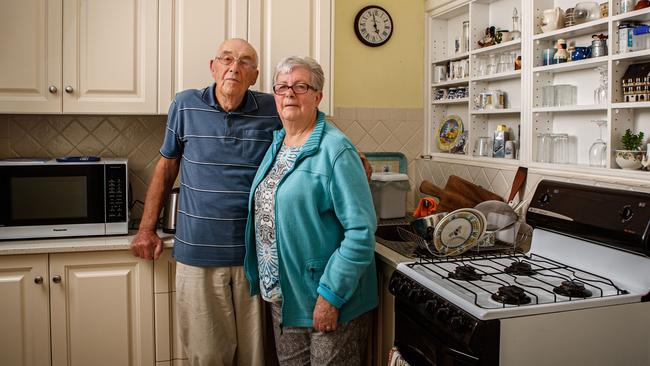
[286, 66]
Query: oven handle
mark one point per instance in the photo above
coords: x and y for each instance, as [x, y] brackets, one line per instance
[414, 349]
[462, 353]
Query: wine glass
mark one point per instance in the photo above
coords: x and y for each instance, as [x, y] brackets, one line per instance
[600, 94]
[598, 150]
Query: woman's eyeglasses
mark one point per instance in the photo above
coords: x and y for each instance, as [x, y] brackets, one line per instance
[298, 88]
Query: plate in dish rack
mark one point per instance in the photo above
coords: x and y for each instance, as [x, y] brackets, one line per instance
[459, 231]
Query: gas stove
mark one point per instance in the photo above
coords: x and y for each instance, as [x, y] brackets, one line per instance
[584, 283]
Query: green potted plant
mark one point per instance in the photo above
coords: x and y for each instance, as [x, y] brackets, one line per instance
[632, 155]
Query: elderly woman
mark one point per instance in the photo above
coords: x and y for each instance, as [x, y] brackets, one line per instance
[310, 233]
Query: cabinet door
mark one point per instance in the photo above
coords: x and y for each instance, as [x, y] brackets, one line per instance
[102, 309]
[110, 56]
[24, 311]
[281, 28]
[168, 346]
[30, 61]
[190, 32]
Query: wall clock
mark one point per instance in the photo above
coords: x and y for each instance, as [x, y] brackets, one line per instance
[373, 26]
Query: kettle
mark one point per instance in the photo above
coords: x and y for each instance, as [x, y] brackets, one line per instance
[170, 212]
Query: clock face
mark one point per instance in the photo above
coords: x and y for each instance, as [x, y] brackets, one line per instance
[373, 26]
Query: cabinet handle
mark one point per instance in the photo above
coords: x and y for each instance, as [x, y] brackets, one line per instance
[68, 89]
[38, 280]
[52, 89]
[56, 279]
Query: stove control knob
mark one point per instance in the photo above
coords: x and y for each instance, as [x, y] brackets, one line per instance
[416, 295]
[456, 323]
[404, 288]
[431, 305]
[393, 285]
[626, 213]
[442, 314]
[545, 198]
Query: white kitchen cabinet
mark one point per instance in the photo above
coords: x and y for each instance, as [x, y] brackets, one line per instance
[168, 347]
[191, 31]
[91, 308]
[294, 27]
[24, 310]
[78, 56]
[525, 88]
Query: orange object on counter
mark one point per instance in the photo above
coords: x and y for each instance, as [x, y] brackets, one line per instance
[426, 207]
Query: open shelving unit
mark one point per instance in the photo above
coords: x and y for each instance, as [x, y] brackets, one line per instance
[523, 87]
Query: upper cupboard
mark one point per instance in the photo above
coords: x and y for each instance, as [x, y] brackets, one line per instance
[132, 56]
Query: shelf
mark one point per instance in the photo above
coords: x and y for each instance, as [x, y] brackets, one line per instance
[630, 105]
[570, 108]
[586, 169]
[501, 47]
[451, 101]
[593, 27]
[451, 82]
[469, 157]
[459, 56]
[589, 63]
[501, 76]
[642, 15]
[632, 56]
[497, 111]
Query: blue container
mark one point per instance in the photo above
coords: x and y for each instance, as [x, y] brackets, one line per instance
[580, 53]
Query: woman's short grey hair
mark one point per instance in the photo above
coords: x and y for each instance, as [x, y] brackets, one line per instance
[286, 66]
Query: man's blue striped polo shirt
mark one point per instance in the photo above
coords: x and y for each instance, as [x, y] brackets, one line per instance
[220, 152]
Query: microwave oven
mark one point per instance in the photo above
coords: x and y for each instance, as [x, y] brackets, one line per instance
[46, 198]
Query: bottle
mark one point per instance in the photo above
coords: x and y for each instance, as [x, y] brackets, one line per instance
[499, 141]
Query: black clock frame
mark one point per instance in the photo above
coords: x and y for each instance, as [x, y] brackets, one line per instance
[358, 33]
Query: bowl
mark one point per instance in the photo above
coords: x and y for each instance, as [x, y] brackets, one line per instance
[629, 159]
[425, 226]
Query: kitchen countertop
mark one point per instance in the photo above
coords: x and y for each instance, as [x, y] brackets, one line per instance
[67, 245]
[122, 242]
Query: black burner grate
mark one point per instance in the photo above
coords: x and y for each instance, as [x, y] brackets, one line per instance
[515, 279]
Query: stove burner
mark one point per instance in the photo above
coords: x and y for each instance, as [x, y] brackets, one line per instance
[572, 288]
[511, 295]
[465, 273]
[520, 269]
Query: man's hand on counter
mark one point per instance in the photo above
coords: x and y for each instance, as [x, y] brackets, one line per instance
[147, 245]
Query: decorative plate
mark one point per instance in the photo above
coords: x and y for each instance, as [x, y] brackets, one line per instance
[450, 129]
[459, 231]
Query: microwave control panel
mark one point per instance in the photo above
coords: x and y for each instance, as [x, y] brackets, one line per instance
[116, 198]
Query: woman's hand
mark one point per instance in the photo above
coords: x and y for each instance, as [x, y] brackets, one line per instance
[325, 316]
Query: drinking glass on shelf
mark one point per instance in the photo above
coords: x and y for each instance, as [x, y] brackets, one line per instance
[565, 94]
[492, 64]
[598, 150]
[600, 94]
[548, 96]
[482, 68]
[503, 63]
[544, 143]
[560, 148]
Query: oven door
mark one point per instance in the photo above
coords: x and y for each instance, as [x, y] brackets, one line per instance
[421, 343]
[51, 196]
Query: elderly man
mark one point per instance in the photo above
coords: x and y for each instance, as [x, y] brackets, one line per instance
[217, 136]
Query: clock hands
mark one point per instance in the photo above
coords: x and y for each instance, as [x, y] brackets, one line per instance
[374, 24]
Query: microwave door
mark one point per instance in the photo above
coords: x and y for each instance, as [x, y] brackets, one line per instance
[52, 195]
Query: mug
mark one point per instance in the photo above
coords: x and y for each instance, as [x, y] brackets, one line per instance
[580, 53]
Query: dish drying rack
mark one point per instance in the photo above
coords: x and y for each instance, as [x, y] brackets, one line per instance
[487, 243]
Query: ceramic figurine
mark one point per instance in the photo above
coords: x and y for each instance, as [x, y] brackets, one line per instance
[561, 53]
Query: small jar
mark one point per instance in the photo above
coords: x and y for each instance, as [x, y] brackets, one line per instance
[625, 5]
[598, 47]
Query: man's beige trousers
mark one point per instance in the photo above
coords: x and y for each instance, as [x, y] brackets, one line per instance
[219, 323]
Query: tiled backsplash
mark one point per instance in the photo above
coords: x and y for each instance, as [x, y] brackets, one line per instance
[385, 129]
[136, 137]
[139, 137]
